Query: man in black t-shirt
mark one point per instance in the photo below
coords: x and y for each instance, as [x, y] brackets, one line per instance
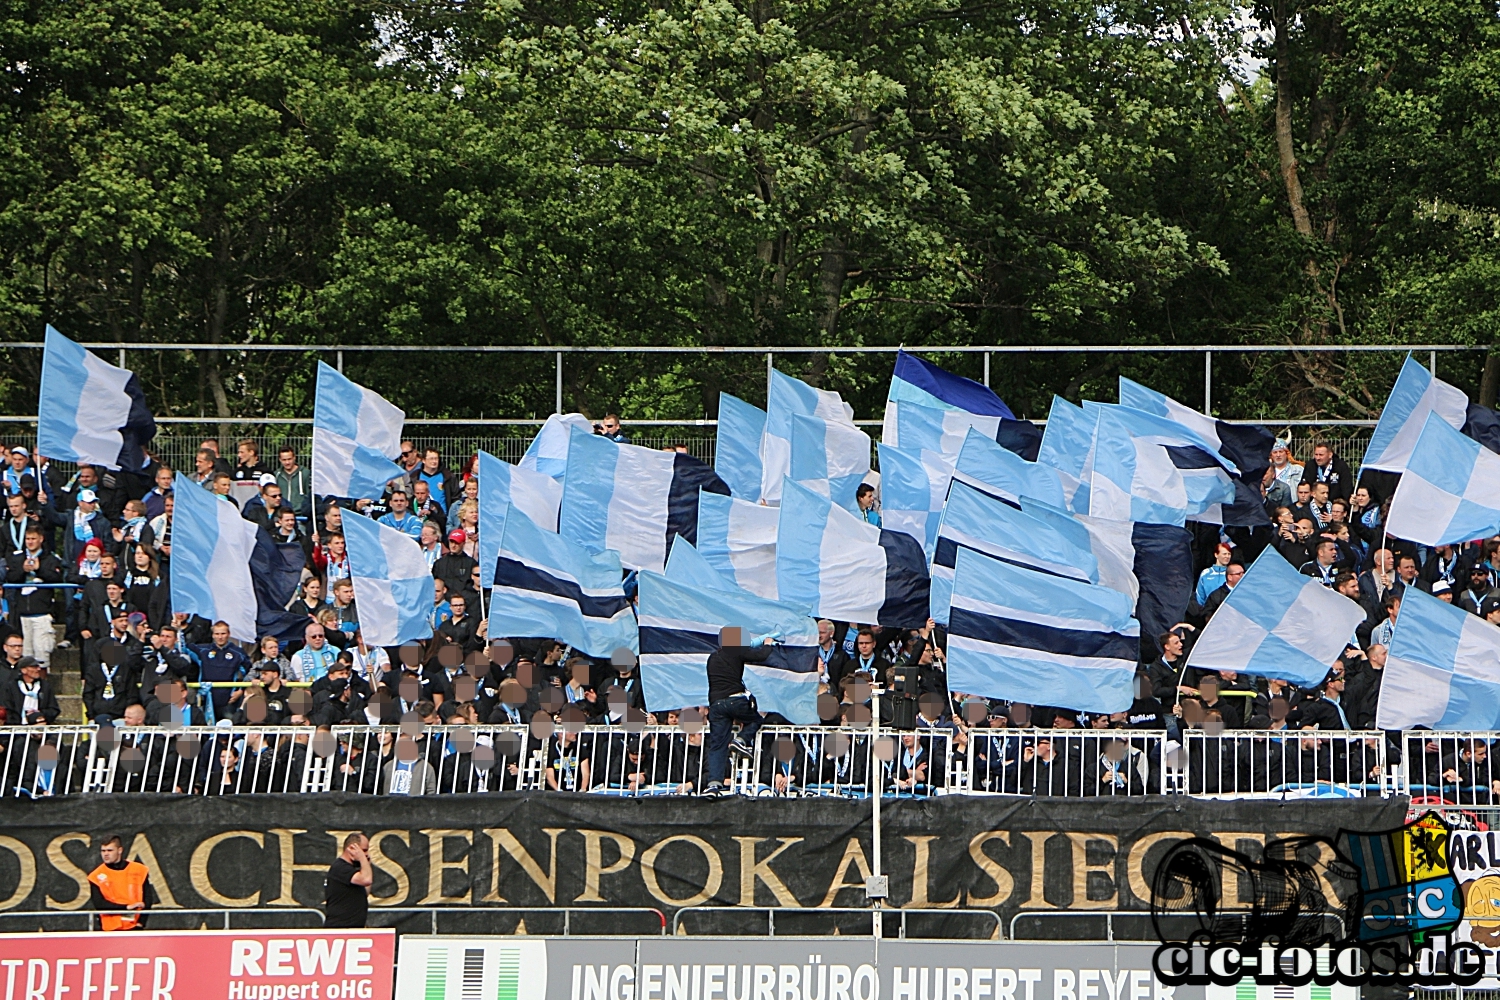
[346, 891]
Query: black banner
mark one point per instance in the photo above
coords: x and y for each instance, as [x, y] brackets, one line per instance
[554, 849]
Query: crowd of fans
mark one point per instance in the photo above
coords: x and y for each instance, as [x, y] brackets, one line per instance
[109, 536]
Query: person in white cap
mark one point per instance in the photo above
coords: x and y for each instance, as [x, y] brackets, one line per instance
[87, 524]
[20, 464]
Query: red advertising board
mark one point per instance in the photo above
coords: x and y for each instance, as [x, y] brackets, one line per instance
[198, 965]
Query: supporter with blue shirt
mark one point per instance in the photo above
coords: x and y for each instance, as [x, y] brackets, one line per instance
[400, 516]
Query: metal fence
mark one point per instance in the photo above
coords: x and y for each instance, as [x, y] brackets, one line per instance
[786, 761]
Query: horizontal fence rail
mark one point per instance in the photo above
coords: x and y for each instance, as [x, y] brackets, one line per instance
[783, 762]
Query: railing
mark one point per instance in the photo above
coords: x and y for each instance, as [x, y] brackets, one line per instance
[1285, 764]
[407, 919]
[876, 916]
[1067, 762]
[633, 760]
[89, 919]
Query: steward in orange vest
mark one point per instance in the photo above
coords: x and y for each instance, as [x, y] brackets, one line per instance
[120, 885]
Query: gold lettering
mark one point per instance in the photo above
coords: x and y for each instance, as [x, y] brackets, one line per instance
[64, 864]
[501, 838]
[1229, 872]
[1038, 898]
[198, 869]
[1081, 869]
[381, 862]
[287, 840]
[854, 854]
[140, 850]
[919, 876]
[1136, 857]
[750, 870]
[436, 839]
[711, 884]
[27, 882]
[1004, 884]
[593, 861]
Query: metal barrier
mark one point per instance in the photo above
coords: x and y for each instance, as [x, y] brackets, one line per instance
[1455, 768]
[470, 912]
[1148, 932]
[1284, 764]
[875, 914]
[785, 761]
[90, 918]
[1067, 762]
[823, 761]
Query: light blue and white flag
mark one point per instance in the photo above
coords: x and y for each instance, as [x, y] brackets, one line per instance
[975, 520]
[356, 435]
[1000, 472]
[929, 408]
[1112, 543]
[788, 398]
[393, 585]
[501, 487]
[1443, 668]
[1415, 395]
[630, 499]
[1248, 446]
[1020, 635]
[738, 538]
[737, 446]
[837, 566]
[1067, 441]
[680, 623]
[1147, 468]
[211, 548]
[830, 457]
[1278, 623]
[687, 566]
[548, 451]
[1450, 491]
[549, 587]
[89, 411]
[913, 489]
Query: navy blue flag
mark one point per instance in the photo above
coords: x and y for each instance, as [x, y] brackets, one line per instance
[275, 571]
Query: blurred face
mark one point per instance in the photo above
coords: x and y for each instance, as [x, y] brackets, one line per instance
[13, 647]
[221, 635]
[16, 505]
[286, 521]
[270, 648]
[1362, 497]
[1304, 492]
[610, 425]
[866, 645]
[87, 476]
[272, 495]
[1320, 492]
[202, 463]
[1279, 456]
[1174, 645]
[430, 461]
[1232, 575]
[471, 489]
[336, 546]
[164, 479]
[18, 461]
[314, 636]
[1407, 569]
[1326, 553]
[825, 633]
[313, 588]
[1221, 555]
[457, 604]
[399, 503]
[1304, 529]
[1350, 589]
[429, 534]
[288, 461]
[1322, 454]
[421, 491]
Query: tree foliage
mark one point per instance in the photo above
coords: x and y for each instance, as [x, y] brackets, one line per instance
[750, 173]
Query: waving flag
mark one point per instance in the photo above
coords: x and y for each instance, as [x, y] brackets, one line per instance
[1413, 398]
[738, 538]
[1067, 442]
[927, 407]
[356, 434]
[1020, 635]
[975, 520]
[788, 398]
[999, 472]
[1443, 667]
[913, 489]
[547, 586]
[1147, 468]
[1278, 623]
[393, 585]
[89, 411]
[680, 623]
[211, 549]
[501, 487]
[830, 457]
[1248, 446]
[839, 567]
[548, 451]
[687, 566]
[630, 499]
[1450, 491]
[1152, 564]
[276, 573]
[737, 446]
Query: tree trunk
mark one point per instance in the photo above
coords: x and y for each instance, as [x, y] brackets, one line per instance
[1489, 382]
[1284, 149]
